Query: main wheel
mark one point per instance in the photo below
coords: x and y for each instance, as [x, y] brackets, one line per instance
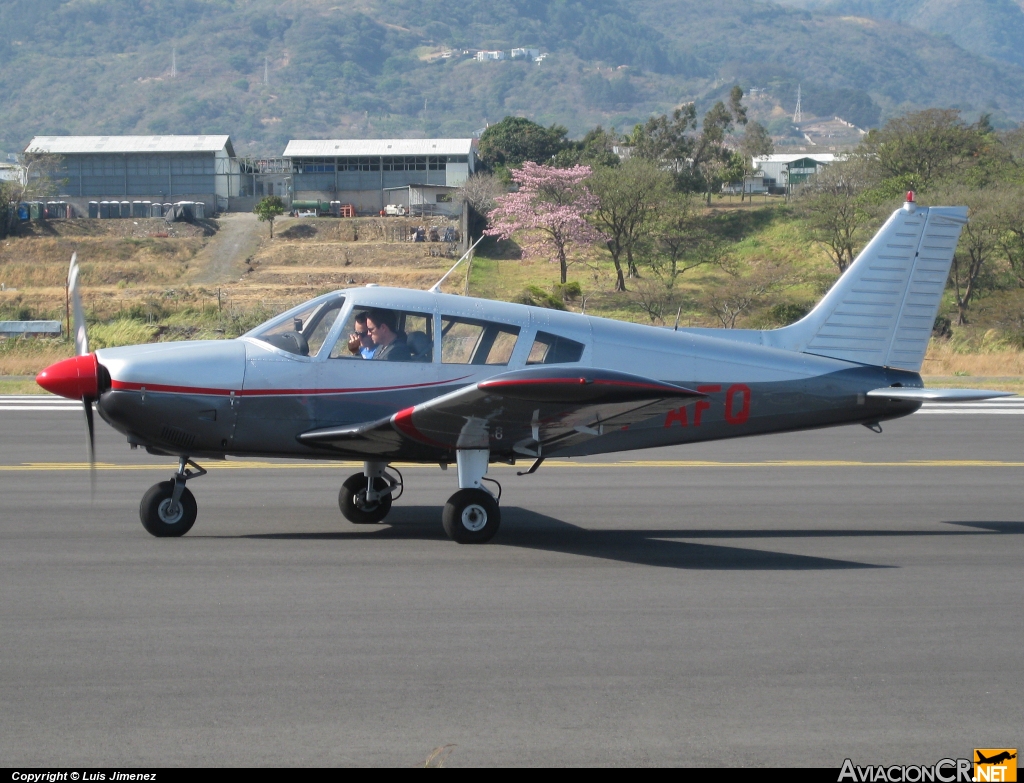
[471, 516]
[161, 517]
[352, 501]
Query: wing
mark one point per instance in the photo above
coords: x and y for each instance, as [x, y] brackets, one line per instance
[533, 412]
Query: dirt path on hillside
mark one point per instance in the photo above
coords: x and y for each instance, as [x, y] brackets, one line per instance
[223, 258]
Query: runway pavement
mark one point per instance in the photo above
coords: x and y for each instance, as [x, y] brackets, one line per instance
[786, 600]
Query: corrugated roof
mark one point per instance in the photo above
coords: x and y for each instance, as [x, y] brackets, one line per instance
[820, 157]
[329, 148]
[64, 145]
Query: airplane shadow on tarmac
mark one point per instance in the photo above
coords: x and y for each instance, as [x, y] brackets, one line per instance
[530, 530]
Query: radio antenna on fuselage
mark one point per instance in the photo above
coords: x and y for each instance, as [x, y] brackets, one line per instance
[437, 286]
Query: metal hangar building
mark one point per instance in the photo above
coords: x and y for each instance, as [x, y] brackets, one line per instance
[143, 168]
[371, 173]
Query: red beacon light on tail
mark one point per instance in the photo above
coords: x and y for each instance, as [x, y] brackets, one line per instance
[910, 204]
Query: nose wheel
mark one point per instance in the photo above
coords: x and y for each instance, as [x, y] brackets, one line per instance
[169, 509]
[165, 517]
[356, 507]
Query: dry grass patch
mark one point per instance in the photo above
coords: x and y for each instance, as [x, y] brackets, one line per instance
[943, 359]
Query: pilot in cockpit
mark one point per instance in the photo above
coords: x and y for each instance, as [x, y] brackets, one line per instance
[392, 344]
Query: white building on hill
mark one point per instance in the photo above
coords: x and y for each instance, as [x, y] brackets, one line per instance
[792, 169]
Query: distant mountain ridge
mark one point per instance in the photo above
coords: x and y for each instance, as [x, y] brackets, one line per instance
[373, 68]
[992, 28]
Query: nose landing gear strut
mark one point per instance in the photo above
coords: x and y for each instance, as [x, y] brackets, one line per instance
[169, 509]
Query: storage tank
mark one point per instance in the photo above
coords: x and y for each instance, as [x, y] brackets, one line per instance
[94, 209]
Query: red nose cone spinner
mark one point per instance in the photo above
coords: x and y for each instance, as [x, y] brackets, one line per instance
[74, 378]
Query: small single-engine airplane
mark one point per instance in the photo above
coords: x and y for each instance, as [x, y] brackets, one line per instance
[470, 381]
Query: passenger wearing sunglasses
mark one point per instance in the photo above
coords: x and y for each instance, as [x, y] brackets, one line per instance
[360, 342]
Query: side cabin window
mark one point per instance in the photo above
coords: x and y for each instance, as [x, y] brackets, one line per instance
[386, 335]
[469, 341]
[552, 349]
[305, 331]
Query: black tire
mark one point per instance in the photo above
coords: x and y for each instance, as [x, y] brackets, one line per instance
[153, 511]
[361, 513]
[471, 516]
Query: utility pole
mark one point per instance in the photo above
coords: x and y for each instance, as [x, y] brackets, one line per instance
[798, 115]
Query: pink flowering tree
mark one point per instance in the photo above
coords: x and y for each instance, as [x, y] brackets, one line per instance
[548, 212]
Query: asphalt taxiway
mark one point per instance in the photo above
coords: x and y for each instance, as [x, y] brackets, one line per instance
[786, 600]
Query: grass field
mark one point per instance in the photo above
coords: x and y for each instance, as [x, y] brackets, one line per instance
[138, 279]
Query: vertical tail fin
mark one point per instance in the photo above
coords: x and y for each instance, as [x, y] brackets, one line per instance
[882, 310]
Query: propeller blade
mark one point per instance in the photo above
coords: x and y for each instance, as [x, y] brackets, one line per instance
[92, 445]
[81, 338]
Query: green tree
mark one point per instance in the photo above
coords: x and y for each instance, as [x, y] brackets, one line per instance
[979, 245]
[267, 209]
[700, 162]
[595, 149]
[756, 143]
[41, 177]
[515, 140]
[837, 209]
[630, 196]
[713, 162]
[1011, 229]
[666, 140]
[919, 149]
[682, 238]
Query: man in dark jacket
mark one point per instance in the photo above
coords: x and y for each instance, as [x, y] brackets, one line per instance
[391, 343]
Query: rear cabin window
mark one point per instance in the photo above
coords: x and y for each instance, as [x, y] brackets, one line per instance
[468, 341]
[552, 349]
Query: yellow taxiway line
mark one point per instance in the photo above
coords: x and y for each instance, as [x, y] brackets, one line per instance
[325, 465]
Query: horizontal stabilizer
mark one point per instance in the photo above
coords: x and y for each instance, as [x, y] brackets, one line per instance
[937, 395]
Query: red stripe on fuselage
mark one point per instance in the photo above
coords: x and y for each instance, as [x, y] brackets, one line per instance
[487, 385]
[159, 387]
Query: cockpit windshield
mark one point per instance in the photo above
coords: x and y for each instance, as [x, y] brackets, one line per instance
[303, 329]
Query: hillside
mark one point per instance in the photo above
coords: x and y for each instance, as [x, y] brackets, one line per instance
[374, 68]
[992, 28]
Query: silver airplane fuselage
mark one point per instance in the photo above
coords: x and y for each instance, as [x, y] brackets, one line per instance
[245, 397]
